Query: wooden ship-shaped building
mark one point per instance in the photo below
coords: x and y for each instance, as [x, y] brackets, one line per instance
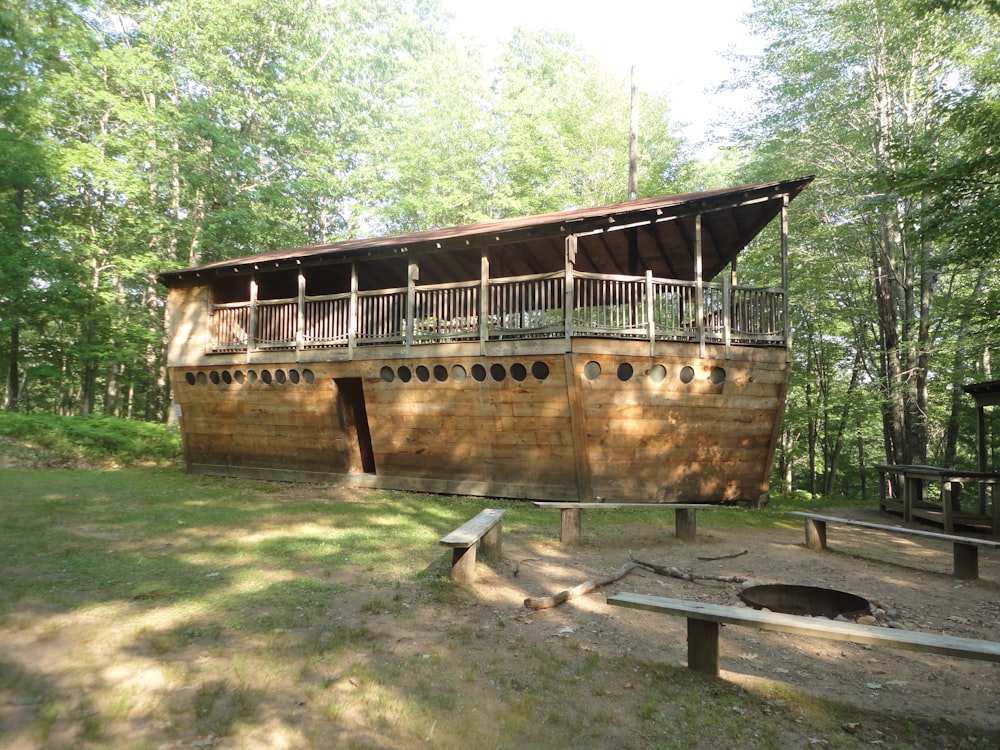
[601, 352]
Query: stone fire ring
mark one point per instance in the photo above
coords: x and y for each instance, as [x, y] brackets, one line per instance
[814, 601]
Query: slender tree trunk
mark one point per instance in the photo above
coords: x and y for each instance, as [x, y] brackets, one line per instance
[838, 443]
[12, 395]
[112, 390]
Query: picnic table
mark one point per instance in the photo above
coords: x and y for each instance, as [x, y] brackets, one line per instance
[948, 511]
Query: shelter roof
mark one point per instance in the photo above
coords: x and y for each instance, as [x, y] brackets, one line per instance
[655, 234]
[985, 394]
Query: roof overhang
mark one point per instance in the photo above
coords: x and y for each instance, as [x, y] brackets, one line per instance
[985, 394]
[656, 234]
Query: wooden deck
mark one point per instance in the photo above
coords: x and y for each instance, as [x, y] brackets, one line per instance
[503, 309]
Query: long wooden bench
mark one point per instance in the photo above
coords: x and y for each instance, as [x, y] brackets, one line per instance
[966, 549]
[572, 525]
[486, 527]
[703, 621]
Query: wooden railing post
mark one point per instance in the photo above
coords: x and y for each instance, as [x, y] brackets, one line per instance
[727, 296]
[352, 312]
[252, 322]
[699, 291]
[412, 275]
[650, 313]
[300, 323]
[568, 312]
[784, 278]
[484, 300]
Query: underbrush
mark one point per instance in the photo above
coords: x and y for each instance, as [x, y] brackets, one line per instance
[48, 439]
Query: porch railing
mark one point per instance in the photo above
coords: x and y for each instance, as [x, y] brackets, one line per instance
[521, 307]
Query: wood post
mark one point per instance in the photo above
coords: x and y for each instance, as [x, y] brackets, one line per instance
[685, 524]
[352, 322]
[815, 534]
[966, 561]
[484, 300]
[784, 276]
[463, 564]
[699, 289]
[569, 532]
[492, 542]
[300, 322]
[703, 646]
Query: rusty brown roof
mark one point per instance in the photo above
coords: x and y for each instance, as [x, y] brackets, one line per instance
[662, 238]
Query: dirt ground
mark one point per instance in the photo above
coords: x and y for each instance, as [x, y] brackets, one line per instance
[909, 579]
[488, 623]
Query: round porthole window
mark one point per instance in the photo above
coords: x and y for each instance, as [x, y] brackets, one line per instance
[518, 372]
[479, 373]
[404, 374]
[227, 377]
[423, 374]
[687, 374]
[458, 373]
[592, 370]
[189, 377]
[657, 373]
[387, 374]
[239, 377]
[498, 372]
[625, 371]
[307, 375]
[280, 376]
[540, 370]
[251, 376]
[440, 373]
[202, 378]
[265, 377]
[717, 375]
[214, 377]
[293, 375]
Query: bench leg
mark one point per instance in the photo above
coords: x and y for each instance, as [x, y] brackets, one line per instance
[815, 534]
[463, 564]
[949, 504]
[493, 542]
[685, 524]
[966, 561]
[703, 646]
[571, 525]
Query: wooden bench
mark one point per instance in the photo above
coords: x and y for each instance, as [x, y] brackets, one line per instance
[966, 549]
[684, 516]
[703, 622]
[486, 527]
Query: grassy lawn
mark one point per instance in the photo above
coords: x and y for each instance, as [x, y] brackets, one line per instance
[146, 608]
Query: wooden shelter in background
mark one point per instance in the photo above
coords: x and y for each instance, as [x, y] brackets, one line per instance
[903, 488]
[595, 352]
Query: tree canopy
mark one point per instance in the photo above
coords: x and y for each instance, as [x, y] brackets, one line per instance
[144, 135]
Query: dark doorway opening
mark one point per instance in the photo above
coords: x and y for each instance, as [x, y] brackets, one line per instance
[353, 417]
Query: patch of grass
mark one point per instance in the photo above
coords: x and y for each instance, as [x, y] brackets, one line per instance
[175, 609]
[54, 439]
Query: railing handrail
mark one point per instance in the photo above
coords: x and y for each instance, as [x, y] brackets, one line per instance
[608, 305]
[447, 285]
[528, 277]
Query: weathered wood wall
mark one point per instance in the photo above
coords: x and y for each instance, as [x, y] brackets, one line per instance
[607, 420]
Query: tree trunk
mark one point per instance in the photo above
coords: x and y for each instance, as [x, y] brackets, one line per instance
[13, 393]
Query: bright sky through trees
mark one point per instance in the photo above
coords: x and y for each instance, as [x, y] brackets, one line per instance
[679, 47]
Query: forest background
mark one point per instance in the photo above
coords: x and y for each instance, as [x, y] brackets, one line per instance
[138, 136]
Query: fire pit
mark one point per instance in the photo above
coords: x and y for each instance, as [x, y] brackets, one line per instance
[806, 600]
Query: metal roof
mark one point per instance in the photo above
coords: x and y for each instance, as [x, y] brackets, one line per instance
[651, 233]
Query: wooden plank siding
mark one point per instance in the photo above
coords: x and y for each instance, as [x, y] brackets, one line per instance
[648, 438]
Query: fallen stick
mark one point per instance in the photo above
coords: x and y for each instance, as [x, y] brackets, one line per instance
[546, 602]
[724, 557]
[685, 575]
